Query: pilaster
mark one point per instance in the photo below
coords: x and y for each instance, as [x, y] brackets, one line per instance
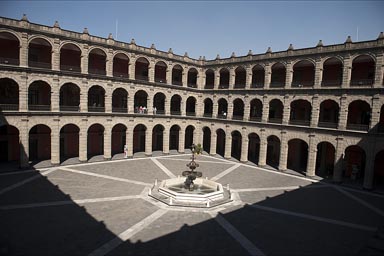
[379, 66]
[263, 148]
[109, 63]
[132, 67]
[107, 139]
[55, 141]
[315, 110]
[213, 141]
[267, 75]
[215, 108]
[248, 78]
[83, 136]
[166, 140]
[375, 114]
[265, 113]
[55, 57]
[339, 159]
[217, 79]
[24, 142]
[247, 108]
[283, 151]
[312, 154]
[129, 140]
[55, 94]
[84, 59]
[108, 98]
[228, 144]
[184, 78]
[289, 75]
[84, 96]
[230, 108]
[347, 68]
[232, 76]
[168, 74]
[181, 140]
[23, 53]
[286, 110]
[23, 93]
[151, 72]
[318, 73]
[244, 145]
[343, 114]
[148, 141]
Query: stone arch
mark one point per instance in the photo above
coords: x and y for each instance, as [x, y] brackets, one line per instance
[273, 151]
[329, 114]
[97, 60]
[207, 139]
[140, 100]
[120, 100]
[39, 96]
[276, 109]
[161, 72]
[176, 105]
[363, 70]
[9, 94]
[69, 141]
[191, 106]
[359, 115]
[9, 143]
[301, 111]
[139, 134]
[303, 73]
[355, 161]
[224, 78]
[258, 76]
[209, 79]
[253, 147]
[95, 140]
[96, 99]
[192, 78]
[157, 137]
[69, 97]
[39, 143]
[332, 72]
[9, 48]
[120, 66]
[159, 102]
[189, 132]
[325, 159]
[297, 155]
[236, 144]
[278, 75]
[220, 142]
[40, 52]
[238, 109]
[118, 139]
[240, 77]
[208, 107]
[222, 108]
[177, 75]
[70, 57]
[142, 68]
[174, 137]
[256, 110]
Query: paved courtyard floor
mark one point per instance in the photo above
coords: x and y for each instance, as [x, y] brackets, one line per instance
[103, 208]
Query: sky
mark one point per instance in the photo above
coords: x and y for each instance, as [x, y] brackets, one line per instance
[208, 28]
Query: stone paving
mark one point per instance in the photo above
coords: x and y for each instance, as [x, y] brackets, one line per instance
[102, 208]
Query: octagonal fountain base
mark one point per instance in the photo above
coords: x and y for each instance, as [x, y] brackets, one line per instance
[206, 193]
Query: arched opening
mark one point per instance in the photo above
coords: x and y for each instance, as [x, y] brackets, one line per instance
[380, 127]
[9, 95]
[39, 143]
[140, 102]
[275, 114]
[208, 107]
[189, 131]
[329, 114]
[253, 148]
[236, 145]
[355, 160]
[297, 155]
[256, 110]
[69, 142]
[97, 62]
[224, 78]
[359, 115]
[9, 144]
[191, 106]
[209, 79]
[39, 53]
[238, 109]
[332, 72]
[220, 142]
[176, 105]
[120, 65]
[161, 72]
[303, 74]
[159, 104]
[300, 112]
[119, 138]
[174, 137]
[95, 140]
[96, 99]
[192, 78]
[207, 139]
[177, 75]
[157, 138]
[70, 58]
[222, 108]
[139, 138]
[9, 49]
[378, 178]
[240, 77]
[120, 100]
[278, 75]
[325, 159]
[273, 151]
[363, 71]
[141, 69]
[258, 76]
[39, 96]
[69, 97]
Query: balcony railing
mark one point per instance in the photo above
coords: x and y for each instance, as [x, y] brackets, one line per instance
[96, 109]
[159, 112]
[175, 113]
[9, 107]
[255, 118]
[331, 82]
[9, 61]
[299, 122]
[141, 111]
[358, 127]
[69, 108]
[332, 125]
[141, 78]
[192, 85]
[257, 85]
[275, 120]
[277, 84]
[303, 83]
[207, 114]
[119, 110]
[209, 86]
[361, 82]
[39, 107]
[70, 68]
[221, 116]
[237, 117]
[224, 86]
[160, 80]
[96, 71]
[37, 64]
[120, 74]
[190, 113]
[177, 82]
[239, 86]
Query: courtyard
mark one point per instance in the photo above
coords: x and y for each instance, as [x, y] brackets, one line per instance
[103, 208]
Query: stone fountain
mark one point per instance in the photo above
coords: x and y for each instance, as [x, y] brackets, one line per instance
[190, 189]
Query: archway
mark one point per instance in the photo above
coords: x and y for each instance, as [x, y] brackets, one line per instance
[256, 110]
[363, 71]
[9, 94]
[174, 137]
[209, 79]
[39, 53]
[191, 106]
[120, 65]
[220, 142]
[177, 75]
[332, 72]
[297, 155]
[120, 100]
[39, 143]
[119, 133]
[69, 141]
[161, 72]
[157, 138]
[240, 77]
[301, 111]
[258, 76]
[141, 69]
[224, 78]
[96, 99]
[9, 144]
[303, 74]
[139, 138]
[208, 107]
[222, 108]
[69, 97]
[189, 131]
[253, 148]
[273, 151]
[192, 78]
[278, 75]
[95, 140]
[159, 103]
[325, 160]
[207, 139]
[355, 160]
[140, 101]
[97, 62]
[176, 105]
[236, 145]
[329, 114]
[359, 115]
[9, 49]
[238, 109]
[39, 96]
[276, 109]
[70, 58]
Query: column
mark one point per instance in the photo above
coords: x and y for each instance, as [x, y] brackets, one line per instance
[129, 141]
[312, 154]
[109, 63]
[347, 68]
[244, 145]
[379, 70]
[107, 140]
[167, 106]
[148, 141]
[230, 108]
[248, 78]
[228, 145]
[23, 53]
[343, 113]
[183, 106]
[267, 75]
[375, 115]
[369, 172]
[318, 73]
[197, 134]
[283, 151]
[213, 141]
[289, 75]
[265, 113]
[150, 103]
[217, 79]
[315, 110]
[232, 76]
[108, 99]
[84, 59]
[24, 143]
[215, 108]
[132, 67]
[181, 140]
[263, 148]
[151, 72]
[83, 141]
[84, 97]
[339, 159]
[131, 102]
[247, 108]
[199, 106]
[166, 140]
[286, 110]
[55, 142]
[55, 95]
[185, 77]
[23, 93]
[200, 79]
[169, 74]
[55, 60]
